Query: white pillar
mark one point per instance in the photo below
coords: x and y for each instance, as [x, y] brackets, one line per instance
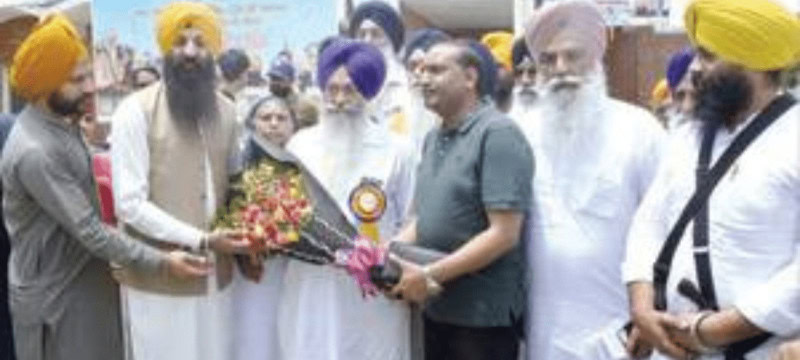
[522, 11]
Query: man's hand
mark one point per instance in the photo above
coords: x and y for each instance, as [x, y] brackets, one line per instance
[228, 242]
[658, 328]
[788, 351]
[412, 286]
[252, 267]
[638, 348]
[184, 265]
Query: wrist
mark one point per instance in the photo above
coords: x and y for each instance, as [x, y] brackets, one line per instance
[698, 331]
[432, 285]
[205, 243]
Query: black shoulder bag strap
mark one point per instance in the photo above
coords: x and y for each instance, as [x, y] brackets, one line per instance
[696, 210]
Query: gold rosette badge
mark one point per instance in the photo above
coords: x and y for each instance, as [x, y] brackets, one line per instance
[368, 203]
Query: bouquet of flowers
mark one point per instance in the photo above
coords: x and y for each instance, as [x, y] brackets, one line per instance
[280, 205]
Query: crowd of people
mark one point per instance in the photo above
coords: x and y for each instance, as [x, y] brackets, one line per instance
[562, 212]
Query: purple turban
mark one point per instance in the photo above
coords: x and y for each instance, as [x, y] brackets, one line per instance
[678, 67]
[364, 63]
[580, 20]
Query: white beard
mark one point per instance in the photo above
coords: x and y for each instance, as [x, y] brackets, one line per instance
[567, 132]
[343, 132]
[523, 103]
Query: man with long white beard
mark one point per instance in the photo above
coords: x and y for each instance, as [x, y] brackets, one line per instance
[729, 288]
[595, 158]
[369, 173]
[524, 95]
[176, 143]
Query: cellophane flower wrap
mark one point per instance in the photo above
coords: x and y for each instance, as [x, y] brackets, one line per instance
[276, 202]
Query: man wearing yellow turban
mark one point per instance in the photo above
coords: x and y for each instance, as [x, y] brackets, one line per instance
[64, 302]
[746, 288]
[173, 144]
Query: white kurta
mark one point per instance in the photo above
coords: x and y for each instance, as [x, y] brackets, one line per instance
[255, 312]
[584, 200]
[754, 227]
[162, 326]
[322, 314]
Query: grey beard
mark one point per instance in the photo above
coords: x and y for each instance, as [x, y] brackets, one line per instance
[191, 94]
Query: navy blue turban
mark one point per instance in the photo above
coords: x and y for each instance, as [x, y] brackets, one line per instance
[233, 63]
[519, 52]
[678, 67]
[364, 63]
[487, 68]
[423, 39]
[384, 16]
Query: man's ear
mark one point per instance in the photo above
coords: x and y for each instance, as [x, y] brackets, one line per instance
[473, 77]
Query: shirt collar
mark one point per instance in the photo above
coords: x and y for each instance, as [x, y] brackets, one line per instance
[471, 118]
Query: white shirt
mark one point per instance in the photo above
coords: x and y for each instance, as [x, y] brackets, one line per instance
[754, 227]
[162, 326]
[584, 200]
[322, 315]
[130, 166]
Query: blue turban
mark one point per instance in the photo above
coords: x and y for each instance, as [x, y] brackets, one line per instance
[519, 52]
[678, 67]
[488, 68]
[384, 16]
[364, 63]
[282, 69]
[233, 63]
[423, 39]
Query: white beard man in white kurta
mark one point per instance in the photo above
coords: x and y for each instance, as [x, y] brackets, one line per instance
[322, 315]
[595, 157]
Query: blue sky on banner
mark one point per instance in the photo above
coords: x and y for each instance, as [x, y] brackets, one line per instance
[263, 26]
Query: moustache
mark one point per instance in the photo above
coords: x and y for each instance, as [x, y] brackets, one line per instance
[526, 90]
[567, 82]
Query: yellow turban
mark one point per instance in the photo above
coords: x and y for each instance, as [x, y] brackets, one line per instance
[756, 34]
[500, 43]
[47, 57]
[660, 93]
[185, 14]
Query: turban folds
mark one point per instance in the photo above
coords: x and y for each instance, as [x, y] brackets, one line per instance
[47, 57]
[423, 39]
[756, 34]
[579, 20]
[364, 63]
[185, 14]
[678, 67]
[384, 16]
[500, 43]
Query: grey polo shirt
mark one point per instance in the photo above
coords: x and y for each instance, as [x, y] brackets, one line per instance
[484, 164]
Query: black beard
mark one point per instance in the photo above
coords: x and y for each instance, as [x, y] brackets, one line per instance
[723, 95]
[191, 92]
[65, 107]
[280, 91]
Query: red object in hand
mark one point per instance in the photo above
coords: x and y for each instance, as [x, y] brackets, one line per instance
[101, 167]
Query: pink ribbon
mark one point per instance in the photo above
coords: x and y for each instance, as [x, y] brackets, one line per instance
[358, 260]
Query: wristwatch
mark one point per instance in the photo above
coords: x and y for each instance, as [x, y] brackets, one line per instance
[432, 286]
